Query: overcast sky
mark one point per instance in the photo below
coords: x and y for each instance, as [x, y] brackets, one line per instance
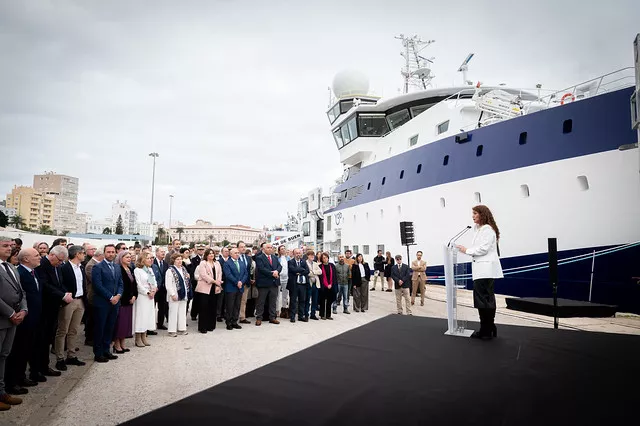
[233, 94]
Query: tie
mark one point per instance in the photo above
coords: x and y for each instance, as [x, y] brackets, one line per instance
[33, 274]
[13, 278]
[270, 261]
[237, 265]
[113, 272]
[57, 276]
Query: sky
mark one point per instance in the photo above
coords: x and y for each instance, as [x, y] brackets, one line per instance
[233, 94]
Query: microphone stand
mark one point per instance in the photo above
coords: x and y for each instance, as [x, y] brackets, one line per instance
[458, 235]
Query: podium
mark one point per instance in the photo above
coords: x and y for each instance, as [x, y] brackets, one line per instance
[454, 274]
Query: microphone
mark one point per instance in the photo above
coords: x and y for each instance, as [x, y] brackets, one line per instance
[458, 235]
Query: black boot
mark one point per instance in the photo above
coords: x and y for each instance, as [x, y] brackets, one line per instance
[491, 317]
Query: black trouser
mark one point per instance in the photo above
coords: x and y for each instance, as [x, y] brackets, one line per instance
[207, 305]
[21, 351]
[195, 303]
[88, 321]
[163, 305]
[484, 300]
[487, 321]
[326, 297]
[272, 293]
[220, 305]
[232, 307]
[44, 335]
[297, 301]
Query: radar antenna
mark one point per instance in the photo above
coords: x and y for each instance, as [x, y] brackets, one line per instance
[417, 69]
[464, 67]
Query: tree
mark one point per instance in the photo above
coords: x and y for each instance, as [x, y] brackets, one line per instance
[64, 232]
[45, 230]
[107, 231]
[17, 221]
[4, 220]
[161, 234]
[119, 229]
[180, 231]
[225, 243]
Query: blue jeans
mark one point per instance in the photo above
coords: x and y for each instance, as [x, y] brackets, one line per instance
[312, 299]
[343, 292]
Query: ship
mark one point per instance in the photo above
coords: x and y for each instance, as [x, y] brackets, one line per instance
[559, 164]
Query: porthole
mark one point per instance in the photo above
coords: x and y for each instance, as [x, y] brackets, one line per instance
[524, 191]
[419, 169]
[567, 126]
[583, 182]
[445, 161]
[443, 203]
[479, 151]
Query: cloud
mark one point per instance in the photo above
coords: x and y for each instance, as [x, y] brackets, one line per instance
[233, 94]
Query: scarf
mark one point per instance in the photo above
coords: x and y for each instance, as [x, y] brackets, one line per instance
[151, 277]
[324, 274]
[127, 269]
[181, 283]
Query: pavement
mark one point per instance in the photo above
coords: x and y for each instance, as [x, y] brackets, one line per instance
[174, 368]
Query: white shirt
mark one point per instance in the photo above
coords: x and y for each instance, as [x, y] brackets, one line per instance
[78, 273]
[284, 274]
[10, 270]
[361, 266]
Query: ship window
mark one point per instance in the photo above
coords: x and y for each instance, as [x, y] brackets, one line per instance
[353, 128]
[345, 106]
[398, 118]
[346, 249]
[443, 127]
[417, 110]
[479, 151]
[365, 249]
[383, 180]
[445, 161]
[372, 125]
[328, 223]
[369, 186]
[345, 134]
[356, 250]
[583, 182]
[306, 229]
[381, 213]
[419, 169]
[402, 174]
[413, 140]
[354, 218]
[524, 191]
[523, 138]
[366, 215]
[337, 135]
[443, 203]
[477, 197]
[399, 210]
[381, 247]
[567, 126]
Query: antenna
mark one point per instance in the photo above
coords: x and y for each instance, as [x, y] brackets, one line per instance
[464, 67]
[416, 71]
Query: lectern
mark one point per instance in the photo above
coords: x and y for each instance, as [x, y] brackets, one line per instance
[453, 272]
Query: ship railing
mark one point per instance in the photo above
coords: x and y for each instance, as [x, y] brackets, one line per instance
[615, 80]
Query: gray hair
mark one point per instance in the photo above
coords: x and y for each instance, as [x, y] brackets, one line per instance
[74, 250]
[2, 239]
[98, 253]
[160, 248]
[58, 251]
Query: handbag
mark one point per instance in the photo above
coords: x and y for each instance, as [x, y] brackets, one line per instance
[254, 292]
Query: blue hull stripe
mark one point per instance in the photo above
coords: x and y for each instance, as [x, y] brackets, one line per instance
[599, 124]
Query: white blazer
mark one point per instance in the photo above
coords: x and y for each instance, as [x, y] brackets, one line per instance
[484, 252]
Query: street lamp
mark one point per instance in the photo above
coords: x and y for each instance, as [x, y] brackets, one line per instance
[153, 186]
[170, 209]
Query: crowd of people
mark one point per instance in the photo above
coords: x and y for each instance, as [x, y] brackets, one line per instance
[118, 292]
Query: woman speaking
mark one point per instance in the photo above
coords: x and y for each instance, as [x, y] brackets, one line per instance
[485, 269]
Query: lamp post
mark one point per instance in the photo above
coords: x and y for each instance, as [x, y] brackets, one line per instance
[170, 211]
[153, 185]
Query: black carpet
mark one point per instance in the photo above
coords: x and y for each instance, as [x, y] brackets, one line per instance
[567, 308]
[403, 370]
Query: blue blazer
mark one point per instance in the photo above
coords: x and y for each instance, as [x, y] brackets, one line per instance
[158, 273]
[104, 284]
[294, 271]
[232, 276]
[34, 298]
[264, 270]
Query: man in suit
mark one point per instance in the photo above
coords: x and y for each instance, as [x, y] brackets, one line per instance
[220, 308]
[89, 318]
[160, 267]
[236, 275]
[107, 291]
[21, 352]
[195, 261]
[246, 261]
[401, 276]
[13, 310]
[54, 296]
[70, 315]
[297, 285]
[268, 282]
[418, 278]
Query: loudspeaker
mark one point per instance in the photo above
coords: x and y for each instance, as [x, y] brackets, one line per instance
[553, 261]
[407, 236]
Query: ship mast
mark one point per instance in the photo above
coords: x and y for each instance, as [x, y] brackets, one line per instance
[416, 71]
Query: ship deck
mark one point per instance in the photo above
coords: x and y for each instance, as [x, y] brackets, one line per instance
[171, 369]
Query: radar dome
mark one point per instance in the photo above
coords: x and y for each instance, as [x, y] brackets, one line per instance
[350, 82]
